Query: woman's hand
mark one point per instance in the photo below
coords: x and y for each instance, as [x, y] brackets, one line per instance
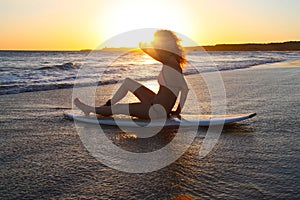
[175, 114]
[144, 45]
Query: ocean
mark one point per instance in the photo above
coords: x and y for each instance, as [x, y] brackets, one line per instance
[42, 155]
[28, 71]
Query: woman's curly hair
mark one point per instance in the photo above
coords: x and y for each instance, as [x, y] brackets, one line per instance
[167, 40]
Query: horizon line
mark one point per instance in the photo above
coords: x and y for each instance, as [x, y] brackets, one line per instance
[124, 47]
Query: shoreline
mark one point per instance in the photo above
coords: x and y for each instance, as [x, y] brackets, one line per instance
[283, 64]
[293, 63]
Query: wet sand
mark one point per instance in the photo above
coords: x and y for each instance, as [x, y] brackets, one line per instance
[42, 155]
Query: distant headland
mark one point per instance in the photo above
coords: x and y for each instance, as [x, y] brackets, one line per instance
[278, 46]
[284, 46]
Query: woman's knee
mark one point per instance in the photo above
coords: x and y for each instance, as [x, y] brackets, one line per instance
[131, 84]
[129, 81]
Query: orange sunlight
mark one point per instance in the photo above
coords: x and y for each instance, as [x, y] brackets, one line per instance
[125, 17]
[74, 25]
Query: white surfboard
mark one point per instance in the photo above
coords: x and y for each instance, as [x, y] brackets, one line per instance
[186, 120]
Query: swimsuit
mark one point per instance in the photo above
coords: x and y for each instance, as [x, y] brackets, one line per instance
[173, 81]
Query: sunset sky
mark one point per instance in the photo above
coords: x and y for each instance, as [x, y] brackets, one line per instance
[85, 24]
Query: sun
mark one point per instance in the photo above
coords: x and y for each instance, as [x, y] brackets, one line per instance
[124, 17]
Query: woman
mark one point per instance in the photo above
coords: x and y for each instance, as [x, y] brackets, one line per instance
[167, 50]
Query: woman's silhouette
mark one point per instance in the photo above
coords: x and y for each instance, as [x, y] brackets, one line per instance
[166, 49]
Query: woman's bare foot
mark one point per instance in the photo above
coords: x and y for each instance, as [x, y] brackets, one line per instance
[83, 107]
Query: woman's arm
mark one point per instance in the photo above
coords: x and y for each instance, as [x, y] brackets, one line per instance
[152, 52]
[183, 96]
[160, 55]
[149, 50]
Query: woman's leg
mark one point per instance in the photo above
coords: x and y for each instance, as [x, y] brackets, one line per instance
[140, 110]
[143, 93]
[86, 109]
[134, 109]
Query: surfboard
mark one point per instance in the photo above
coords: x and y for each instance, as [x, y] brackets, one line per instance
[185, 121]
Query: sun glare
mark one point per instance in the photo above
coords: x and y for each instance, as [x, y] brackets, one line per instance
[141, 14]
[62, 25]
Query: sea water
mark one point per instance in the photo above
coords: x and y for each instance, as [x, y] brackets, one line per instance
[43, 157]
[28, 71]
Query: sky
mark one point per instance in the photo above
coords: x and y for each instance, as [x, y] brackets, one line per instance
[86, 24]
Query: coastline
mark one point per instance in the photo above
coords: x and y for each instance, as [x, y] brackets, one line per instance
[274, 46]
[43, 157]
[285, 64]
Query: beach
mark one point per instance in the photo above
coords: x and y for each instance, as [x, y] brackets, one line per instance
[42, 156]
